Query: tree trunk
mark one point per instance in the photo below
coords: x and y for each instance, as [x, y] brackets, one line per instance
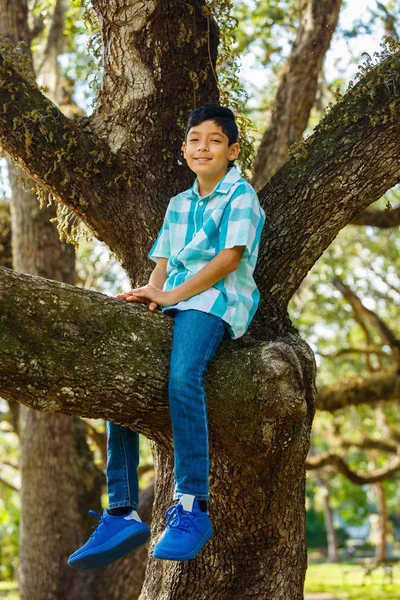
[381, 547]
[329, 526]
[53, 524]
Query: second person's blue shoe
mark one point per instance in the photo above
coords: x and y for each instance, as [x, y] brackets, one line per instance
[186, 531]
[113, 537]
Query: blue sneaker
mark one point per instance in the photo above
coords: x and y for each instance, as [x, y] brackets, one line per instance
[186, 531]
[113, 537]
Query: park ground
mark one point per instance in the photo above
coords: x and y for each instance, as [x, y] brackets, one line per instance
[345, 581]
[324, 581]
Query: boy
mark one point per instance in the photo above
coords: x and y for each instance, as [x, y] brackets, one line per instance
[205, 255]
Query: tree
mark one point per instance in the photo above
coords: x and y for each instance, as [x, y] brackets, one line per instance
[77, 352]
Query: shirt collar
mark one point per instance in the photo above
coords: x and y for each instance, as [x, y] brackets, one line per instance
[224, 184]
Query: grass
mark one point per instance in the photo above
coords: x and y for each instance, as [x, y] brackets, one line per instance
[345, 582]
[9, 590]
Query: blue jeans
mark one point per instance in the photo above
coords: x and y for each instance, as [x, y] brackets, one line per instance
[196, 337]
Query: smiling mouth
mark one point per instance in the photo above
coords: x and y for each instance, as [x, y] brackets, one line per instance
[203, 159]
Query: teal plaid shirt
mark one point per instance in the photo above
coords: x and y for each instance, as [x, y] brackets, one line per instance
[194, 231]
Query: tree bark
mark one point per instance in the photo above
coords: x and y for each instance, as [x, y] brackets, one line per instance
[5, 234]
[297, 88]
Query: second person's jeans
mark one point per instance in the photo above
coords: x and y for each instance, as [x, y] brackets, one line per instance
[196, 338]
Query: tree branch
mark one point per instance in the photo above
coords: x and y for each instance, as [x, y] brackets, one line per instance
[360, 389]
[68, 350]
[336, 461]
[299, 77]
[367, 350]
[371, 444]
[378, 218]
[77, 168]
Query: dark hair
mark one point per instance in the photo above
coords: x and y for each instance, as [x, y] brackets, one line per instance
[222, 115]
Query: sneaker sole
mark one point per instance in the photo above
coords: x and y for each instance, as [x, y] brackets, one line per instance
[188, 555]
[98, 561]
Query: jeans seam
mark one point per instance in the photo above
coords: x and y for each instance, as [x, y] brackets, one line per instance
[126, 467]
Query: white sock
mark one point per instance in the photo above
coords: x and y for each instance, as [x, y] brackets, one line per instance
[133, 515]
[187, 502]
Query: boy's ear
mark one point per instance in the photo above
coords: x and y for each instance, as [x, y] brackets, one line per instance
[234, 151]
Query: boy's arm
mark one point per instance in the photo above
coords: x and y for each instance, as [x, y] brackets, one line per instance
[159, 274]
[219, 267]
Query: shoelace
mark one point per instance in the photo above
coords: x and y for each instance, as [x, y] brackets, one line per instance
[101, 521]
[174, 517]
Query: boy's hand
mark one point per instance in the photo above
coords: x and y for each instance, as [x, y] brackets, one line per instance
[147, 294]
[131, 297]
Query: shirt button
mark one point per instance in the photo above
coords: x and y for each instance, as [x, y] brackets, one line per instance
[201, 203]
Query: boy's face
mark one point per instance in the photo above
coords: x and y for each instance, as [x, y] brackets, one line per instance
[207, 152]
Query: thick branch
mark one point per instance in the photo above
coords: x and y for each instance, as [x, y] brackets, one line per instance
[378, 218]
[336, 461]
[77, 352]
[350, 161]
[371, 444]
[361, 389]
[74, 166]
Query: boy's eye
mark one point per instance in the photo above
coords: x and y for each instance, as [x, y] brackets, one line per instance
[195, 140]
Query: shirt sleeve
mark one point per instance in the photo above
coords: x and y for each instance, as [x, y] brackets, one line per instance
[161, 247]
[242, 221]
